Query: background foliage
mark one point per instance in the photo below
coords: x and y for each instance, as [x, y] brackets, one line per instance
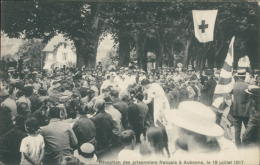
[164, 29]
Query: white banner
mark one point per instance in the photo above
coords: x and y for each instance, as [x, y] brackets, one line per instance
[204, 23]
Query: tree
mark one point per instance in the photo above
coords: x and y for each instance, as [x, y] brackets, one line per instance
[111, 56]
[31, 51]
[79, 21]
[120, 23]
[233, 19]
[165, 29]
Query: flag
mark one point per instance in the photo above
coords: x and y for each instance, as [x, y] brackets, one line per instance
[225, 82]
[222, 95]
[204, 23]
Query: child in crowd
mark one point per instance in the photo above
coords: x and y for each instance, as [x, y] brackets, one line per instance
[86, 154]
[32, 146]
[128, 153]
[155, 141]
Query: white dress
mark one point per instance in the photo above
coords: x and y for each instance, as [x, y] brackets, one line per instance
[119, 82]
[160, 104]
[161, 109]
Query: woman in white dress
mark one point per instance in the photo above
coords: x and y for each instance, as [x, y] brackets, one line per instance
[161, 106]
[156, 93]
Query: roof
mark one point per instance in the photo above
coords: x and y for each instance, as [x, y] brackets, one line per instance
[55, 41]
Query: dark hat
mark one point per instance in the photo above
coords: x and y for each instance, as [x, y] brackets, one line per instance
[114, 92]
[22, 108]
[126, 98]
[145, 82]
[108, 100]
[139, 96]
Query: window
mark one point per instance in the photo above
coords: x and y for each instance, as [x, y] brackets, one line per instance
[65, 46]
[64, 56]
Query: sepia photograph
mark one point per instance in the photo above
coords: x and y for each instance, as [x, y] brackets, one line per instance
[130, 82]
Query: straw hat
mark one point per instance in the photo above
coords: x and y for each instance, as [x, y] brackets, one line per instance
[241, 72]
[196, 117]
[253, 90]
[86, 153]
[87, 148]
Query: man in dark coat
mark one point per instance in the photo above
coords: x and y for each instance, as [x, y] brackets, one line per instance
[104, 126]
[209, 88]
[239, 111]
[59, 138]
[142, 106]
[41, 114]
[84, 129]
[134, 117]
[122, 107]
[83, 90]
[203, 79]
[251, 135]
[72, 105]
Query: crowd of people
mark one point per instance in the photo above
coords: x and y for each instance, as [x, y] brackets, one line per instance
[75, 115]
